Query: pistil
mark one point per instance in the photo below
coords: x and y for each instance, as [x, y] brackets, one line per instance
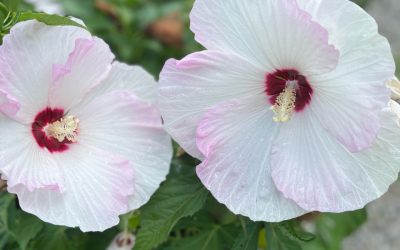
[285, 103]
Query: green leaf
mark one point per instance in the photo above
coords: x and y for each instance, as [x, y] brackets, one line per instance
[48, 19]
[277, 240]
[3, 14]
[130, 220]
[5, 202]
[293, 231]
[248, 238]
[16, 224]
[24, 227]
[180, 196]
[212, 237]
[331, 229]
[212, 216]
[12, 5]
[56, 237]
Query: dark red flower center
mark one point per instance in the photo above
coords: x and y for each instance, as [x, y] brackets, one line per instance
[42, 120]
[278, 81]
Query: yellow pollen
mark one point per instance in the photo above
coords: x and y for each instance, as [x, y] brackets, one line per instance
[284, 104]
[65, 128]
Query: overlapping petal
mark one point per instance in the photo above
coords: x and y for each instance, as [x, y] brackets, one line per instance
[88, 64]
[24, 163]
[130, 78]
[120, 122]
[236, 138]
[27, 56]
[97, 187]
[312, 168]
[189, 87]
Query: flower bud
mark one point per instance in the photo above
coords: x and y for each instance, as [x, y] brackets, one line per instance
[394, 86]
[123, 241]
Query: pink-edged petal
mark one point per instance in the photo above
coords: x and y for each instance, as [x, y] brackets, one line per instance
[23, 162]
[196, 83]
[97, 188]
[8, 105]
[274, 34]
[121, 123]
[27, 56]
[348, 100]
[312, 168]
[236, 138]
[87, 65]
[129, 78]
[123, 77]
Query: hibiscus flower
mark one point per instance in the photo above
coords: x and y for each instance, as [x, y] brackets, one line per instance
[287, 108]
[81, 141]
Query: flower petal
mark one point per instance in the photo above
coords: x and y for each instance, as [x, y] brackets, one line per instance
[124, 77]
[97, 190]
[22, 162]
[27, 56]
[236, 138]
[348, 100]
[121, 123]
[312, 168]
[8, 105]
[196, 83]
[87, 65]
[273, 34]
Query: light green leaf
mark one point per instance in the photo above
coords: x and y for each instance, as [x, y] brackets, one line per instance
[3, 14]
[332, 228]
[214, 237]
[54, 237]
[293, 231]
[48, 19]
[248, 238]
[24, 227]
[277, 240]
[16, 224]
[180, 196]
[5, 201]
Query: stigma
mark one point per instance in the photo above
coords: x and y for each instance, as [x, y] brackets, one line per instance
[64, 129]
[285, 103]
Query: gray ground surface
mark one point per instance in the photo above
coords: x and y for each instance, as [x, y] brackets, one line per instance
[387, 14]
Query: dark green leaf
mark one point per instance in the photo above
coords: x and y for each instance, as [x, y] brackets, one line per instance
[248, 238]
[331, 229]
[49, 19]
[191, 230]
[3, 14]
[55, 237]
[16, 224]
[24, 227]
[215, 238]
[277, 240]
[180, 196]
[293, 231]
[5, 201]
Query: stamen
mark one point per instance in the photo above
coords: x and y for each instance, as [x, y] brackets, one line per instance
[64, 129]
[285, 104]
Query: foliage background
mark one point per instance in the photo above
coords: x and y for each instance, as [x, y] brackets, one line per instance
[182, 214]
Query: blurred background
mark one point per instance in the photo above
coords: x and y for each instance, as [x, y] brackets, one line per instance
[148, 32]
